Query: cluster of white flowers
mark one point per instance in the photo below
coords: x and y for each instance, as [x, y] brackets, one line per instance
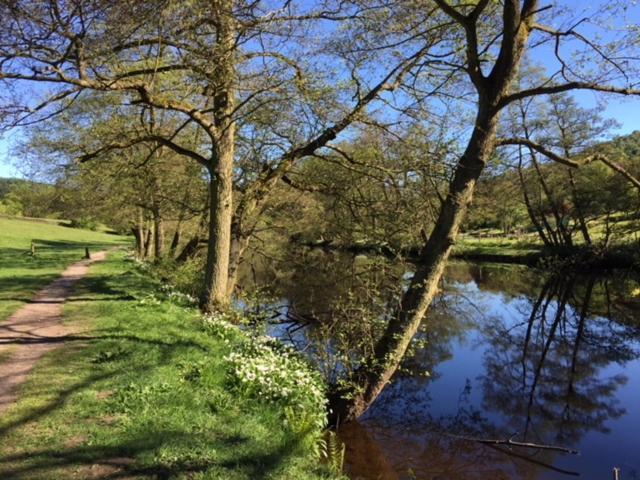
[268, 370]
[143, 265]
[265, 368]
[149, 299]
[131, 256]
[178, 297]
[218, 326]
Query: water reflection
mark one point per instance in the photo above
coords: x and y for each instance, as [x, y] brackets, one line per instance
[505, 354]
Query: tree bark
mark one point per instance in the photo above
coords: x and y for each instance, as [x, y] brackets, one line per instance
[139, 234]
[214, 296]
[138, 239]
[158, 226]
[148, 241]
[239, 244]
[175, 241]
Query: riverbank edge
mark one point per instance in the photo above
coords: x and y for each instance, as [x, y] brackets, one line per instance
[579, 259]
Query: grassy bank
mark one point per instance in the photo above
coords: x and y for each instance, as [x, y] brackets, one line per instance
[620, 228]
[508, 247]
[21, 274]
[149, 389]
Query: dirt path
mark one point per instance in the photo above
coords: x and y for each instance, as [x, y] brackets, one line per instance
[36, 329]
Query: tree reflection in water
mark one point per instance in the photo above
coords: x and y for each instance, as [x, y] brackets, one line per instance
[542, 359]
[544, 379]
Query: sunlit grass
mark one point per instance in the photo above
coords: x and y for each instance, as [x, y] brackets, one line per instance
[21, 274]
[622, 231]
[143, 389]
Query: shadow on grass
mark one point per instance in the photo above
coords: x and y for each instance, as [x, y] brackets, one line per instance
[117, 356]
[118, 461]
[113, 462]
[59, 245]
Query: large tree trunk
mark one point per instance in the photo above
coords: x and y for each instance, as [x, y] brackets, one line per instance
[218, 247]
[215, 294]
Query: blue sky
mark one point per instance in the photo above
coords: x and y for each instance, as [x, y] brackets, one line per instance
[626, 110]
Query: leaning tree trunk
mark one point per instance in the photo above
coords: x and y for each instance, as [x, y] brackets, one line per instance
[175, 241]
[529, 207]
[191, 248]
[390, 349]
[189, 251]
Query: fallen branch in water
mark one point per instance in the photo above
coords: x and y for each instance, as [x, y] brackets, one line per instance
[512, 443]
[535, 461]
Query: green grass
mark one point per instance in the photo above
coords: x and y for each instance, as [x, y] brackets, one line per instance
[22, 275]
[623, 232]
[526, 245]
[144, 388]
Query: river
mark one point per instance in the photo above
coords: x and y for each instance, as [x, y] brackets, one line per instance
[507, 354]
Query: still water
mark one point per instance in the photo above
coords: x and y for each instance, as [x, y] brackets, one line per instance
[506, 354]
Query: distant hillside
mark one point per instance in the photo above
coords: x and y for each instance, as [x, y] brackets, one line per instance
[6, 184]
[628, 144]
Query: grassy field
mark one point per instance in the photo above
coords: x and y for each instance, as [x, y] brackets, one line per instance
[622, 231]
[22, 275]
[143, 392]
[497, 245]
